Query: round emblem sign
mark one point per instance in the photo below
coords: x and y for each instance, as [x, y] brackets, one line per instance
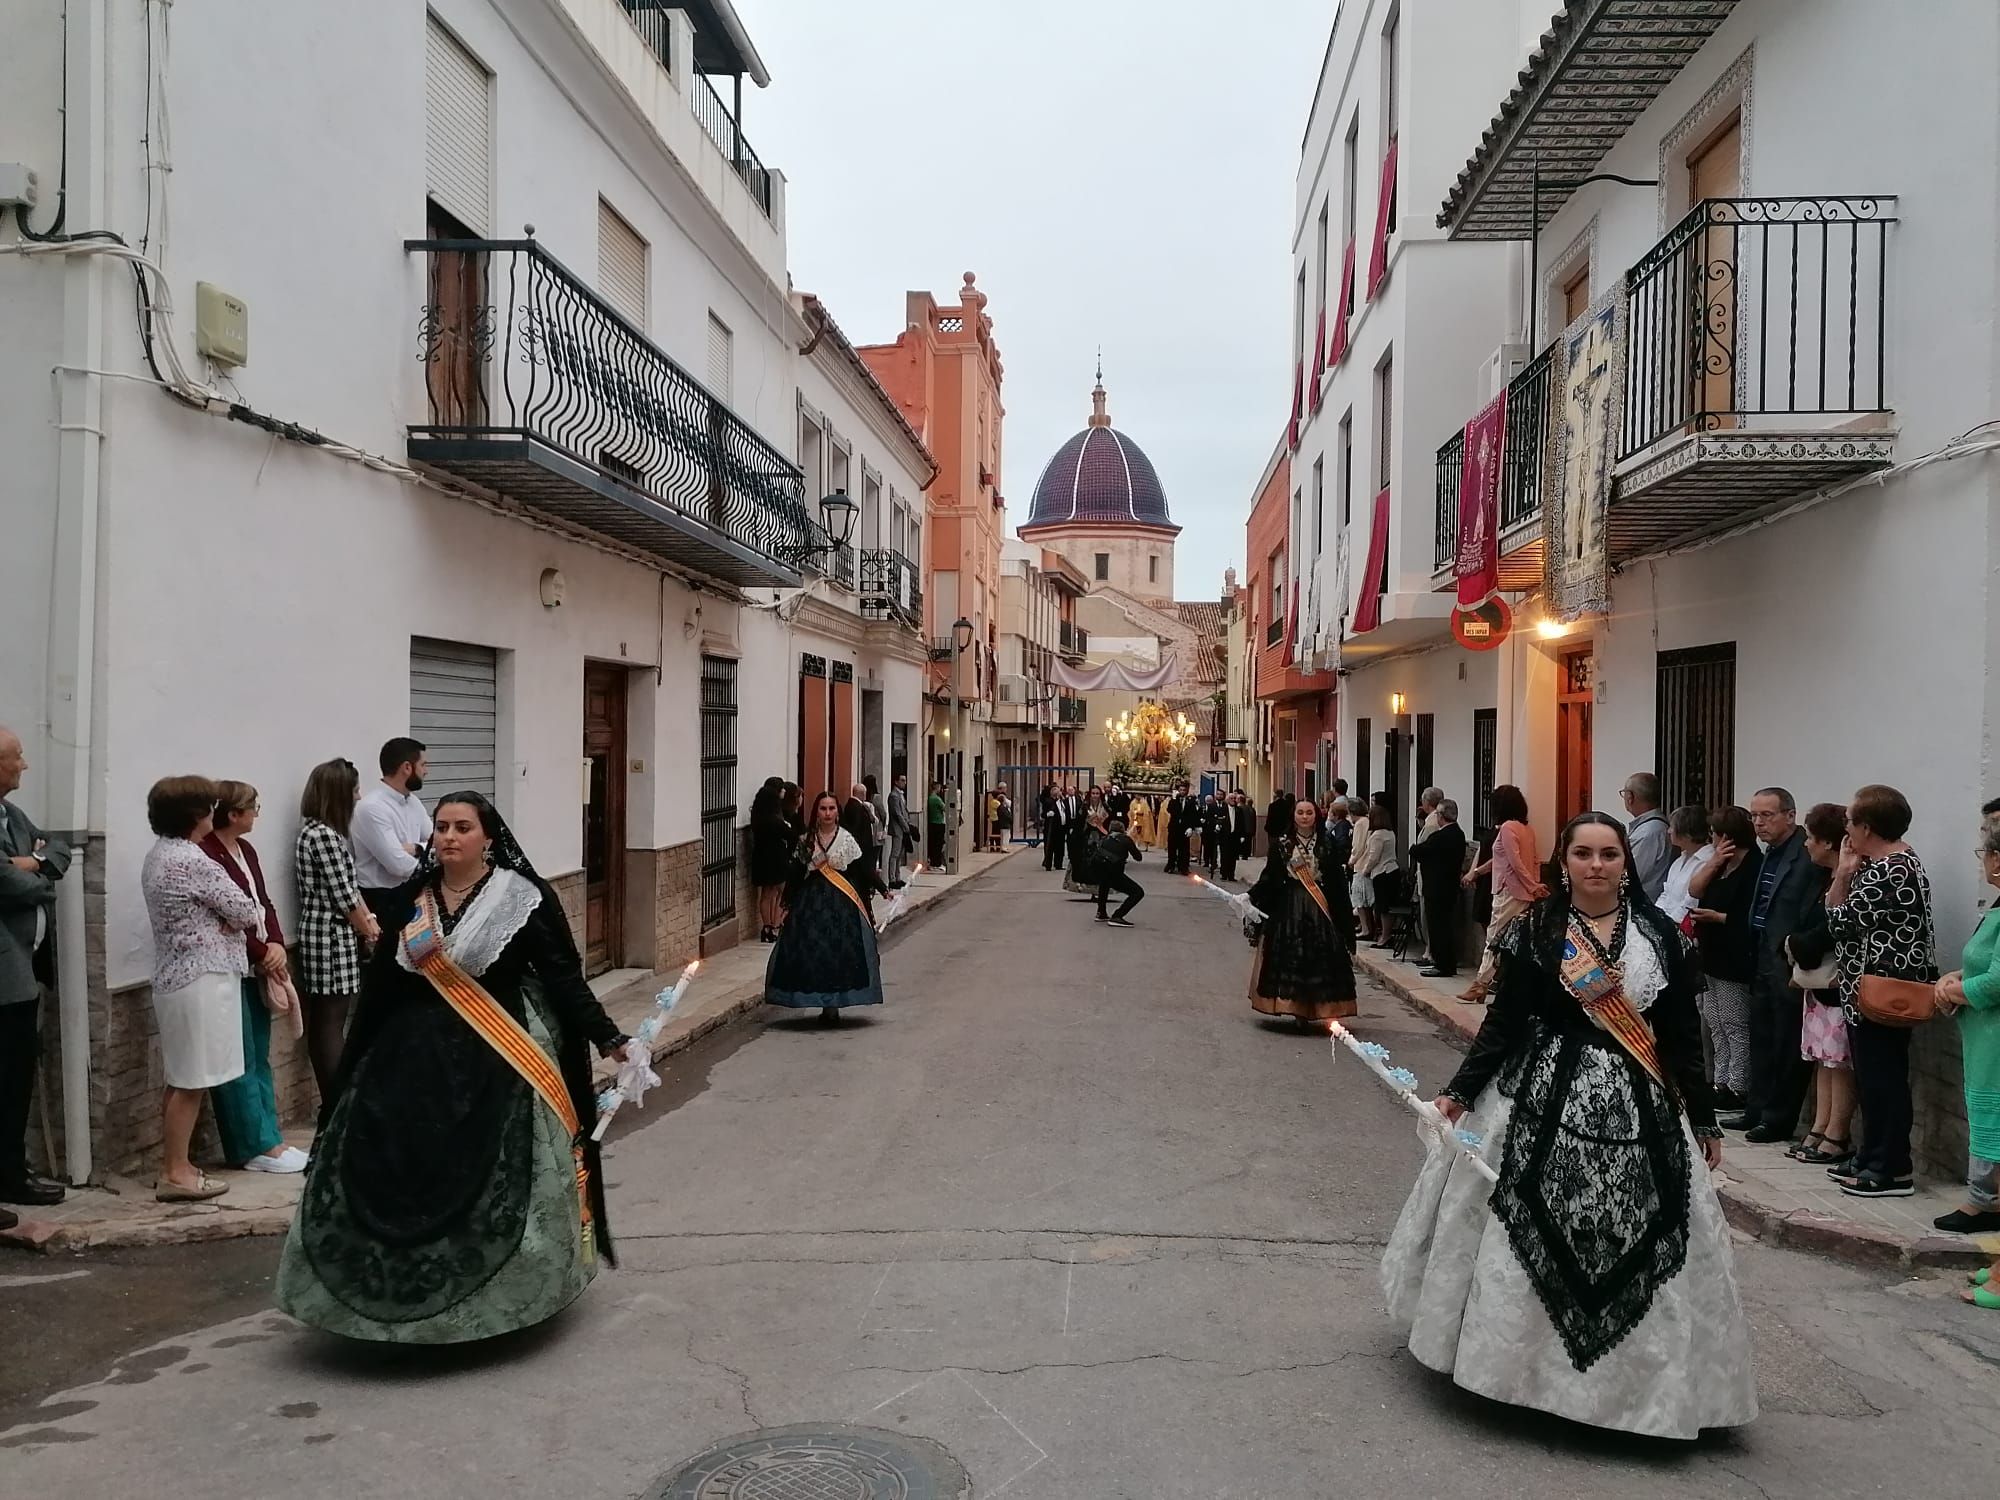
[1484, 626]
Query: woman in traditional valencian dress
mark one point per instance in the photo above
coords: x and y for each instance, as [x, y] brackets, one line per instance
[1301, 968]
[1594, 1280]
[826, 954]
[454, 1193]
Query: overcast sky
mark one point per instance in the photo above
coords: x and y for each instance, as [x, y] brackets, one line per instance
[1117, 172]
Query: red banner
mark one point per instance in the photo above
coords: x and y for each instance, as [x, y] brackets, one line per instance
[1298, 404]
[1368, 608]
[1319, 363]
[1378, 258]
[1478, 566]
[1343, 309]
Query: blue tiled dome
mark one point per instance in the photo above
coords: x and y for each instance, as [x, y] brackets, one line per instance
[1099, 477]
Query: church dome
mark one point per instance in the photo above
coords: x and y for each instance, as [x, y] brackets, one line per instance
[1100, 477]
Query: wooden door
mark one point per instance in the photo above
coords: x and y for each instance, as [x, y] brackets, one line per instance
[603, 815]
[460, 328]
[1715, 170]
[1575, 699]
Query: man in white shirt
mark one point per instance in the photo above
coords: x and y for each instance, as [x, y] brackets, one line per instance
[391, 825]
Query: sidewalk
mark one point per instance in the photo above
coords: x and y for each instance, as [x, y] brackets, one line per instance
[122, 1213]
[1763, 1191]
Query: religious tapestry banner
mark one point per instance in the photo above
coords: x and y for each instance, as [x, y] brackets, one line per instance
[1588, 382]
[1478, 565]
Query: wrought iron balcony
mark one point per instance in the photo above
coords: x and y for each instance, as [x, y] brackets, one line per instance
[1072, 711]
[1756, 363]
[1521, 476]
[890, 588]
[723, 128]
[542, 392]
[1073, 641]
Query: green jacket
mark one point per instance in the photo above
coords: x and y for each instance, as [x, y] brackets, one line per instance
[934, 809]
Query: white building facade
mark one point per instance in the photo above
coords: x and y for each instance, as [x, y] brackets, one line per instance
[1746, 513]
[484, 387]
[1392, 326]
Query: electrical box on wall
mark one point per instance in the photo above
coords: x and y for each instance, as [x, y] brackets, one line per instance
[18, 185]
[221, 325]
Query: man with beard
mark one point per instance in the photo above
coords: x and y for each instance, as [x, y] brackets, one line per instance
[391, 827]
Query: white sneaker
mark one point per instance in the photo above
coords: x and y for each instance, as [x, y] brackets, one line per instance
[286, 1159]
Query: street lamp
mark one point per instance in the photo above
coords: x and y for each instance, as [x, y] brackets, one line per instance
[961, 637]
[836, 526]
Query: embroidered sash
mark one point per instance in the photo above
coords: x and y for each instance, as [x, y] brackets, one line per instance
[1598, 985]
[423, 939]
[841, 884]
[1304, 877]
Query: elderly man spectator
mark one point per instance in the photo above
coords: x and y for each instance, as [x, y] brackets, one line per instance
[1647, 832]
[30, 865]
[1428, 822]
[1787, 897]
[391, 826]
[1440, 860]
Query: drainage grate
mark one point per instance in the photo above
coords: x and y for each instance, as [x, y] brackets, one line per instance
[818, 1463]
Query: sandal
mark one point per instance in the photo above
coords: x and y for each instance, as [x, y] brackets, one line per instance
[1805, 1148]
[1985, 1297]
[1981, 1276]
[166, 1190]
[1829, 1151]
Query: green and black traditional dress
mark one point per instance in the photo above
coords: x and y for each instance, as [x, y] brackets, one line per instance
[448, 1199]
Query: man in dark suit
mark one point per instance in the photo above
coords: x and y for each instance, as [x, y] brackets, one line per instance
[1048, 820]
[30, 865]
[1243, 834]
[1789, 886]
[1440, 856]
[1216, 831]
[1183, 818]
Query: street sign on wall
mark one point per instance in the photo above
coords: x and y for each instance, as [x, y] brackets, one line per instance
[1484, 626]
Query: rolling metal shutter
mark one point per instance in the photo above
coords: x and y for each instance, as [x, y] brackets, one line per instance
[457, 129]
[454, 710]
[621, 265]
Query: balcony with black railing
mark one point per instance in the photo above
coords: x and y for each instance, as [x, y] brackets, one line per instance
[1072, 711]
[1755, 364]
[542, 392]
[723, 127]
[1522, 462]
[890, 588]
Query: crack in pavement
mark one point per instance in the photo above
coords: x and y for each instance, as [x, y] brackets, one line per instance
[742, 1381]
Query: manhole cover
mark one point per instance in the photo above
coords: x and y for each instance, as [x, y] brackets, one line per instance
[818, 1463]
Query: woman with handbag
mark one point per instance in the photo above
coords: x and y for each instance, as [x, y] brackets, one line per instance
[1973, 995]
[1878, 912]
[1823, 1039]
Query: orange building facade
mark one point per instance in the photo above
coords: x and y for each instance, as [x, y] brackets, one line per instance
[944, 372]
[1295, 715]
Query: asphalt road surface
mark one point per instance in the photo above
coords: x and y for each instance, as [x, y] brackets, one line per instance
[1064, 1208]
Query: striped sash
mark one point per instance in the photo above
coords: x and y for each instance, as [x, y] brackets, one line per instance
[1304, 878]
[842, 884]
[424, 941]
[1599, 987]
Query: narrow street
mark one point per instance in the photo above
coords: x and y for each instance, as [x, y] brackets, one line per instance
[1064, 1208]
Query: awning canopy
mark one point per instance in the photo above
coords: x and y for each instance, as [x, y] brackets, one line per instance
[1599, 65]
[1112, 676]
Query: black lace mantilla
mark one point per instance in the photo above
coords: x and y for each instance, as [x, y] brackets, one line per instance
[1594, 1186]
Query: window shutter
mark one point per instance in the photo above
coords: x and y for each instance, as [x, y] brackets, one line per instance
[457, 132]
[621, 265]
[721, 361]
[454, 710]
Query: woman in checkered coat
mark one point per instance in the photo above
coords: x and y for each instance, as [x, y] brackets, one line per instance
[333, 920]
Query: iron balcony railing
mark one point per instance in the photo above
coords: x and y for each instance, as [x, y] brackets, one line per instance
[516, 347]
[1067, 636]
[1758, 307]
[889, 586]
[1072, 711]
[650, 17]
[727, 133]
[1521, 462]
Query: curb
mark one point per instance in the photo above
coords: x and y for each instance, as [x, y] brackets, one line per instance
[208, 1224]
[1793, 1229]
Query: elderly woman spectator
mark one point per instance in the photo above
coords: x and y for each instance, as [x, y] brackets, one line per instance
[1878, 913]
[1688, 832]
[1375, 866]
[333, 919]
[1724, 892]
[246, 1107]
[1973, 994]
[199, 916]
[1823, 1039]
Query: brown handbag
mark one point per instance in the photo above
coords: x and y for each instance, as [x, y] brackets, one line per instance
[1896, 1002]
